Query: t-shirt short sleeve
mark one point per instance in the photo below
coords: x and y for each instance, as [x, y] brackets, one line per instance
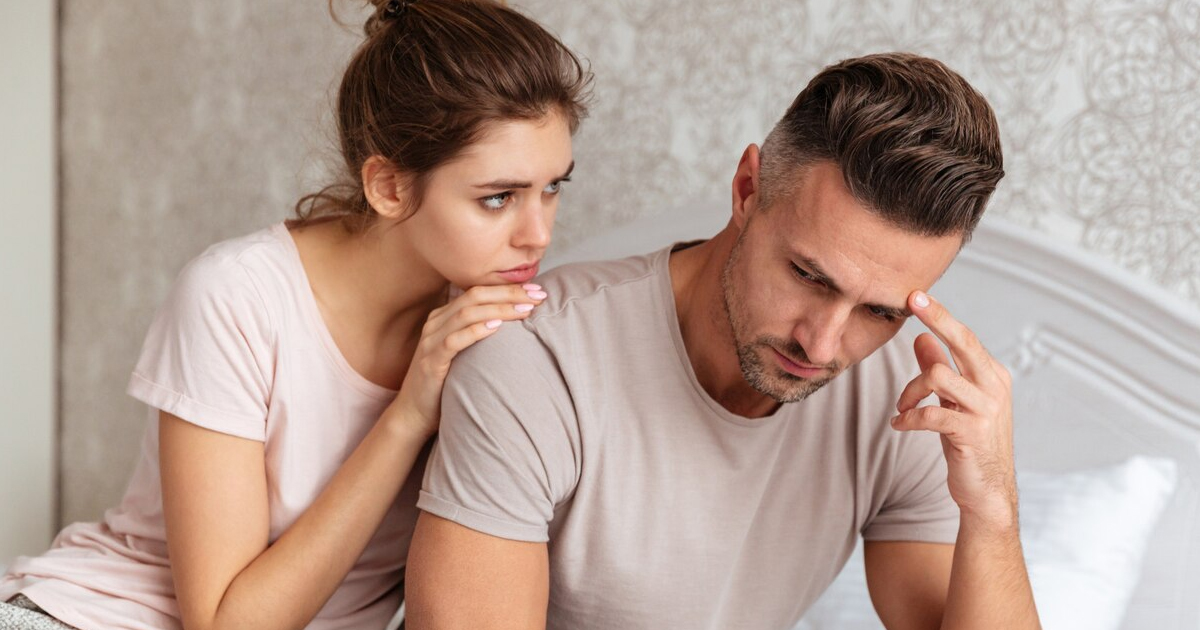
[916, 503]
[507, 452]
[208, 357]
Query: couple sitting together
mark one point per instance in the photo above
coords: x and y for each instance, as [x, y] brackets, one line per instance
[382, 401]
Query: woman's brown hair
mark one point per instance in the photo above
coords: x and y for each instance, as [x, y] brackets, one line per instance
[428, 79]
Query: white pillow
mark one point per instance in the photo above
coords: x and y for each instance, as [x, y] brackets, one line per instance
[1084, 535]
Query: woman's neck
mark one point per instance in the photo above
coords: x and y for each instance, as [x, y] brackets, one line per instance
[373, 291]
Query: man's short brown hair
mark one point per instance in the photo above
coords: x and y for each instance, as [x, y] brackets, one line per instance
[914, 141]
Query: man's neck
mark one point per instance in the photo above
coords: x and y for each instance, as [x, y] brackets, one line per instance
[704, 324]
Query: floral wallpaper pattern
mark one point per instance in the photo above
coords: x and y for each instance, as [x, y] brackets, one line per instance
[187, 123]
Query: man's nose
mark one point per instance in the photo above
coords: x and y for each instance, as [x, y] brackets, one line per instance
[820, 334]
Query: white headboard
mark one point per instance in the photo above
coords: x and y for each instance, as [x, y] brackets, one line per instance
[1105, 367]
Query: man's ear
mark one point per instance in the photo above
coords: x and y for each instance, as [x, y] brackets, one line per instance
[746, 186]
[387, 188]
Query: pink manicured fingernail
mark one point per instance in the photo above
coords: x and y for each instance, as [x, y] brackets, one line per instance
[523, 308]
[493, 324]
[537, 295]
[921, 299]
[531, 287]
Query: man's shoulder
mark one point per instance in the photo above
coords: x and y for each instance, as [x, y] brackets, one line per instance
[586, 300]
[576, 287]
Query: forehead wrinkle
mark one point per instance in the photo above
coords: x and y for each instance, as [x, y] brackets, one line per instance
[883, 274]
[844, 280]
[847, 237]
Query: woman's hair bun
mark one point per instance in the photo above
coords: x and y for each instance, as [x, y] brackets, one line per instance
[385, 12]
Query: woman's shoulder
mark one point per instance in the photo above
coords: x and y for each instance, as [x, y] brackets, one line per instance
[263, 247]
[254, 262]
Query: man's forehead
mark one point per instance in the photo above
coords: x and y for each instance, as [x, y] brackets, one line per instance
[859, 251]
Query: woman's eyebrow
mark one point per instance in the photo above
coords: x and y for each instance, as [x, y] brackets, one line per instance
[507, 184]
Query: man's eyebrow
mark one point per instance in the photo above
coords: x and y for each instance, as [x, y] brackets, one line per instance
[508, 184]
[814, 269]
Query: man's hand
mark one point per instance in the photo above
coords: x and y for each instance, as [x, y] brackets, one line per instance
[974, 417]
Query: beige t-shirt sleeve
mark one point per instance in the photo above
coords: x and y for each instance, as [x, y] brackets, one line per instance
[507, 452]
[905, 469]
[915, 503]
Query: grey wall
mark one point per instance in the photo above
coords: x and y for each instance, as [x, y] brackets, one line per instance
[186, 123]
[27, 277]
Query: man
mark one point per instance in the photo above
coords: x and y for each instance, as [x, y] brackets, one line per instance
[694, 438]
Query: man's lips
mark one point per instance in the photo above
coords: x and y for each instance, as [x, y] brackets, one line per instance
[803, 370]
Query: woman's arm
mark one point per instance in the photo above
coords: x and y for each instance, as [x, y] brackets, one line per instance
[215, 505]
[215, 492]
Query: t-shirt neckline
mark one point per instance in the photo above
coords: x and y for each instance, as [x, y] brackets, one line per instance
[317, 323]
[662, 270]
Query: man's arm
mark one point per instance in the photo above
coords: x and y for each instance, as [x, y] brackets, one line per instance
[458, 578]
[988, 582]
[908, 582]
[921, 586]
[504, 458]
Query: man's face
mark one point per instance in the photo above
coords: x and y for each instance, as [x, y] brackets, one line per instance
[817, 282]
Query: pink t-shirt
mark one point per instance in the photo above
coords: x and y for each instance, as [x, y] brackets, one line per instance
[239, 347]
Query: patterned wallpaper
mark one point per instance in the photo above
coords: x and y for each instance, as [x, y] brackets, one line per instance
[186, 123]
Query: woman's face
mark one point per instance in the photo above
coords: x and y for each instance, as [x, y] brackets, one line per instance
[487, 215]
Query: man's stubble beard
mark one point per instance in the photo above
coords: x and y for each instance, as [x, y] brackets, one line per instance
[780, 385]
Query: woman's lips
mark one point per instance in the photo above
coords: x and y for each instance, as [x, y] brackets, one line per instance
[522, 274]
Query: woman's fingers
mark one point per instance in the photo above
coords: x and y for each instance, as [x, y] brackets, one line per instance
[477, 314]
[473, 323]
[463, 338]
[511, 295]
[501, 293]
[471, 315]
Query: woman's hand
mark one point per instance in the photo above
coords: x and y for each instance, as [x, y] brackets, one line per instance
[449, 330]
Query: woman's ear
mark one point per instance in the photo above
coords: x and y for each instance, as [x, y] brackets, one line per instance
[387, 188]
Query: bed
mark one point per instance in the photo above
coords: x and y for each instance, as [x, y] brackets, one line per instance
[1107, 421]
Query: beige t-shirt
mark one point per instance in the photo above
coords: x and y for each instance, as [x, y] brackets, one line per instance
[238, 347]
[587, 428]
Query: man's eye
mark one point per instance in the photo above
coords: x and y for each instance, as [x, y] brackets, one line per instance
[803, 275]
[882, 313]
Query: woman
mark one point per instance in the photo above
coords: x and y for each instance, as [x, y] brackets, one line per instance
[294, 374]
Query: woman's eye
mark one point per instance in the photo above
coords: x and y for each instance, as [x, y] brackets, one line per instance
[496, 202]
[554, 187]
